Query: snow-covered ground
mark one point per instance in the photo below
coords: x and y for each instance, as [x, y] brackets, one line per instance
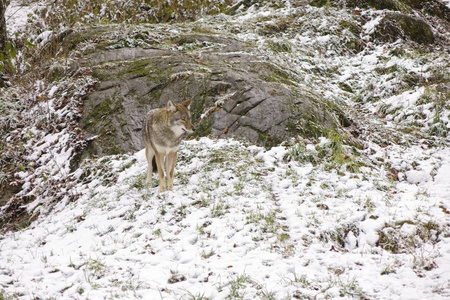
[446, 2]
[302, 221]
[16, 15]
[242, 222]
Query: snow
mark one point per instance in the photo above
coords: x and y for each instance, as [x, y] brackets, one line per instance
[16, 16]
[221, 224]
[370, 26]
[416, 177]
[44, 37]
[244, 221]
[446, 2]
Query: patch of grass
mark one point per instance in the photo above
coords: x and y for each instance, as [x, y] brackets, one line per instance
[438, 126]
[389, 240]
[181, 212]
[239, 187]
[393, 239]
[208, 254]
[321, 3]
[266, 220]
[301, 280]
[424, 259]
[138, 182]
[279, 46]
[266, 295]
[157, 233]
[218, 209]
[197, 296]
[333, 152]
[299, 152]
[390, 268]
[202, 202]
[237, 284]
[339, 234]
[176, 277]
[127, 164]
[94, 269]
[282, 237]
[350, 287]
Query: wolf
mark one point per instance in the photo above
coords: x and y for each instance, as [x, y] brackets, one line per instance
[163, 130]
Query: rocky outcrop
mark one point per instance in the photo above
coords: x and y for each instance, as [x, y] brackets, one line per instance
[235, 93]
[399, 26]
[408, 20]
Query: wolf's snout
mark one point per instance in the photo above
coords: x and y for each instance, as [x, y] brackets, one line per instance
[190, 128]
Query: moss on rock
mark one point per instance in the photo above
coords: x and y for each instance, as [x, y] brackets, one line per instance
[396, 26]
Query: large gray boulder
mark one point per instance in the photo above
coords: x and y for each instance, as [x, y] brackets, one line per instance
[235, 93]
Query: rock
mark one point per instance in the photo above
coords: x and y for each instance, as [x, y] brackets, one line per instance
[4, 80]
[429, 7]
[396, 26]
[259, 101]
[397, 5]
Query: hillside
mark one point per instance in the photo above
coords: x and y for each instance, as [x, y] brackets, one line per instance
[346, 194]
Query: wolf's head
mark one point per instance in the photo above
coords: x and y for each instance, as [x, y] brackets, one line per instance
[180, 117]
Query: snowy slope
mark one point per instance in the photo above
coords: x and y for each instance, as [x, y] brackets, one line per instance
[305, 220]
[242, 222]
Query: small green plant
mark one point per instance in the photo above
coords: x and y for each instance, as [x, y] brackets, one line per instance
[162, 209]
[266, 220]
[266, 295]
[438, 127]
[237, 284]
[94, 269]
[282, 237]
[181, 211]
[218, 209]
[6, 60]
[302, 280]
[339, 234]
[388, 269]
[389, 240]
[393, 239]
[339, 155]
[239, 187]
[157, 233]
[346, 288]
[202, 202]
[208, 254]
[130, 285]
[280, 46]
[333, 151]
[300, 153]
[369, 205]
[138, 182]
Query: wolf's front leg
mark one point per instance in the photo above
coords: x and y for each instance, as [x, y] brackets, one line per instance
[160, 165]
[170, 167]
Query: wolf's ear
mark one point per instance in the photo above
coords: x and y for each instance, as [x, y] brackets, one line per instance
[171, 106]
[187, 103]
